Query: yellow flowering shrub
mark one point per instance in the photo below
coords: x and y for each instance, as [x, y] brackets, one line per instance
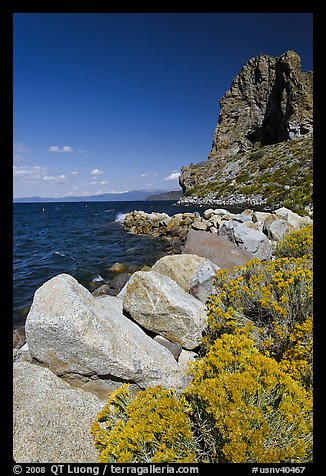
[297, 359]
[276, 297]
[250, 397]
[297, 243]
[245, 409]
[240, 407]
[152, 427]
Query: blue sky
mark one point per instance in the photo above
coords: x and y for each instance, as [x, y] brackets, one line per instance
[116, 102]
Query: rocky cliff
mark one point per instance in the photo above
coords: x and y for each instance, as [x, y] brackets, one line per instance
[269, 101]
[264, 129]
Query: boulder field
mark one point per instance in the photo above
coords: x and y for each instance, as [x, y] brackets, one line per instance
[248, 234]
[79, 346]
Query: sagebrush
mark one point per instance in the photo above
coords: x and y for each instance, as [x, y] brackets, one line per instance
[250, 395]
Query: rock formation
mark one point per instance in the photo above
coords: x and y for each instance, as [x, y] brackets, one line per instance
[269, 101]
[252, 161]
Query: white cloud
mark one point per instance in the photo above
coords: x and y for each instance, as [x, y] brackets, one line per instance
[173, 176]
[97, 172]
[61, 150]
[20, 147]
[74, 172]
[37, 174]
[143, 175]
[156, 174]
[97, 181]
[55, 178]
[30, 174]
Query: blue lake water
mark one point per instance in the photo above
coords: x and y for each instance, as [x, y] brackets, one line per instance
[82, 239]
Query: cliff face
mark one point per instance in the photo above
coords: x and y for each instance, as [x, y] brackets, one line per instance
[269, 101]
[262, 146]
[272, 176]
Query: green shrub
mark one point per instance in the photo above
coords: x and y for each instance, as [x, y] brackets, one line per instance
[245, 409]
[257, 155]
[275, 296]
[152, 427]
[297, 243]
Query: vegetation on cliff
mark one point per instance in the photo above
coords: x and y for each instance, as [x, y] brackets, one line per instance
[275, 175]
[250, 397]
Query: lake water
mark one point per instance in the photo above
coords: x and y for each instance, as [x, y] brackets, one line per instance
[82, 239]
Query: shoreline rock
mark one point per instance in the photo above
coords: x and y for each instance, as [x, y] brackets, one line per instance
[79, 336]
[79, 347]
[252, 231]
[51, 419]
[159, 304]
[217, 249]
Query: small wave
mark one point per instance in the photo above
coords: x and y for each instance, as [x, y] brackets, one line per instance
[132, 250]
[98, 279]
[121, 217]
[110, 210]
[59, 253]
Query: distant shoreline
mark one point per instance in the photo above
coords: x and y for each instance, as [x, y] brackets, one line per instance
[132, 196]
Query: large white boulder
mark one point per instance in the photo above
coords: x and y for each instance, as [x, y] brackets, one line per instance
[160, 305]
[180, 268]
[188, 270]
[278, 229]
[246, 238]
[51, 419]
[75, 334]
[201, 285]
[294, 219]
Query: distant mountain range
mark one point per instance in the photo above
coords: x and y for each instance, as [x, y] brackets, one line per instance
[132, 196]
[173, 195]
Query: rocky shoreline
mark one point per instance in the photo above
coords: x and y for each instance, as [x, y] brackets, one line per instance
[80, 346]
[239, 200]
[254, 231]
